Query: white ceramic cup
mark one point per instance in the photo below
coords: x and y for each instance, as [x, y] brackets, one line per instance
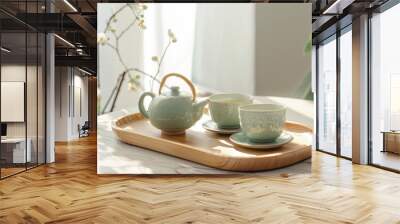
[262, 122]
[224, 109]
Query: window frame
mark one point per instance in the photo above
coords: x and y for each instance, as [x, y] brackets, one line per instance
[337, 35]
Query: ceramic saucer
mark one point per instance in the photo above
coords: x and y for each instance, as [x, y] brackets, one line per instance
[240, 139]
[213, 127]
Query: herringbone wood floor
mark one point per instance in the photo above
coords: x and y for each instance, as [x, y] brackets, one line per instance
[69, 191]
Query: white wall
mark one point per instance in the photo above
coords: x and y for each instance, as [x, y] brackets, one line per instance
[282, 31]
[34, 125]
[224, 49]
[61, 103]
[12, 73]
[81, 84]
[67, 115]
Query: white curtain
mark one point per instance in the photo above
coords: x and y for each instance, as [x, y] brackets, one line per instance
[180, 19]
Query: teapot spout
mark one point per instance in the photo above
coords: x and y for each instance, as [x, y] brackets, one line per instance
[198, 108]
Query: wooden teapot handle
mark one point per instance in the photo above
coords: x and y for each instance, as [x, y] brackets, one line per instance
[190, 84]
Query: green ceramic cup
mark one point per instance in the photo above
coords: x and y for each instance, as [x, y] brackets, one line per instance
[224, 109]
[262, 123]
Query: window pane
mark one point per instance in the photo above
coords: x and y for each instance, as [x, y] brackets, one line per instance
[15, 150]
[346, 94]
[385, 83]
[327, 96]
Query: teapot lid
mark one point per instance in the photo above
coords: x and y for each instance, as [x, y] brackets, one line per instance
[175, 91]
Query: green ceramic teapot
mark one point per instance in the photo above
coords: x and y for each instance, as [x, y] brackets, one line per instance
[173, 112]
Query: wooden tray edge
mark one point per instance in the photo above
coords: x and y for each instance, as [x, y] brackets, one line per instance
[223, 162]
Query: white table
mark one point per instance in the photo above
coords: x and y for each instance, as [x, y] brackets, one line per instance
[115, 157]
[19, 155]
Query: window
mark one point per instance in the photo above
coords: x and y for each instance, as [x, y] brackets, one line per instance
[394, 102]
[22, 77]
[327, 95]
[334, 106]
[385, 89]
[346, 92]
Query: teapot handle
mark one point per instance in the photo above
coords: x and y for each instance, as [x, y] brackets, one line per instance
[190, 84]
[143, 110]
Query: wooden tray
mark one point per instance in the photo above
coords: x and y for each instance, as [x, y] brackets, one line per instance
[210, 149]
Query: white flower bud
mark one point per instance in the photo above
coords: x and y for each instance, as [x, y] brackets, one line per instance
[102, 38]
[171, 34]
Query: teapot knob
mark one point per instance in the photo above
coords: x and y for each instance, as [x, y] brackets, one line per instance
[175, 91]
